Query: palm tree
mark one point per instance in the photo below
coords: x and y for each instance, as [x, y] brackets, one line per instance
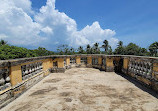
[80, 50]
[88, 49]
[105, 45]
[96, 48]
[72, 50]
[120, 44]
[3, 42]
[110, 50]
[153, 48]
[119, 49]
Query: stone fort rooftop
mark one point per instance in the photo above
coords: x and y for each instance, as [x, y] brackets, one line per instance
[79, 83]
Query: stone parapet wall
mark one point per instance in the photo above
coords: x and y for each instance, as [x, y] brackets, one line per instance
[16, 76]
[143, 69]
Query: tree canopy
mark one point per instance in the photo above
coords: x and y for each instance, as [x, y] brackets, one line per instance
[12, 52]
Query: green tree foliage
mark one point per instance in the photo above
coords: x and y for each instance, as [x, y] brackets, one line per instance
[13, 52]
[96, 49]
[3, 42]
[65, 50]
[81, 50]
[143, 52]
[42, 52]
[153, 48]
[120, 50]
[109, 52]
[72, 51]
[88, 49]
[132, 49]
[105, 46]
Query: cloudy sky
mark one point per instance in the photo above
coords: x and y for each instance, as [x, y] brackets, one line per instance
[50, 23]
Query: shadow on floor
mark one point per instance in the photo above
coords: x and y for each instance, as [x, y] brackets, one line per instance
[140, 85]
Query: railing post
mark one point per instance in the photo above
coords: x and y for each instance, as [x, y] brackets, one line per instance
[78, 60]
[89, 61]
[47, 64]
[109, 64]
[125, 65]
[60, 62]
[15, 75]
[68, 63]
[99, 62]
[155, 75]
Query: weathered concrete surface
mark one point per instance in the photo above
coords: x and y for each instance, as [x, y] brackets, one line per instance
[84, 89]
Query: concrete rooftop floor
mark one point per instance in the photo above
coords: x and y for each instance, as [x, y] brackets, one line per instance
[84, 89]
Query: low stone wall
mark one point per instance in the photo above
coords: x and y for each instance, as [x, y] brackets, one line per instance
[16, 76]
[142, 69]
[12, 93]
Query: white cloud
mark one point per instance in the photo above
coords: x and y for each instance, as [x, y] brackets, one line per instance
[48, 28]
[94, 33]
[24, 4]
[17, 25]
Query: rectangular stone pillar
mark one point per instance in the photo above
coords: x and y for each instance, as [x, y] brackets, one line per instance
[55, 63]
[103, 64]
[125, 65]
[15, 75]
[47, 64]
[109, 64]
[155, 75]
[89, 61]
[78, 60]
[58, 65]
[60, 62]
[68, 63]
[99, 62]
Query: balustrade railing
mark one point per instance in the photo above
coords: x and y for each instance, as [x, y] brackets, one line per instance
[144, 69]
[72, 60]
[141, 68]
[4, 79]
[103, 61]
[30, 70]
[84, 60]
[94, 61]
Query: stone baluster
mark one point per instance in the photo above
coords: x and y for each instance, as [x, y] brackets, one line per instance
[23, 72]
[27, 71]
[7, 79]
[2, 81]
[138, 65]
[30, 69]
[37, 66]
[149, 70]
[130, 66]
[33, 67]
[135, 65]
[142, 68]
[41, 67]
[141, 65]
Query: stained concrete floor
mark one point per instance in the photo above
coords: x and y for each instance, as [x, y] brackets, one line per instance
[84, 89]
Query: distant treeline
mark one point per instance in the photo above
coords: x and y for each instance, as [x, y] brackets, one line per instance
[12, 52]
[130, 49]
